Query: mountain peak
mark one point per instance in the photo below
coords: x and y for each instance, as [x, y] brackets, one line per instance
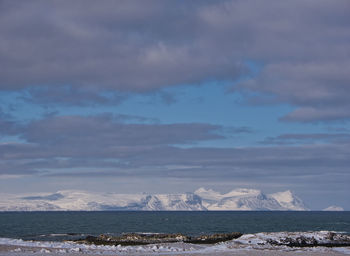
[285, 196]
[249, 199]
[334, 208]
[289, 201]
[204, 190]
[243, 192]
[201, 189]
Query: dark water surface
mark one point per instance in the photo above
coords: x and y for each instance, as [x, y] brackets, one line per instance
[69, 225]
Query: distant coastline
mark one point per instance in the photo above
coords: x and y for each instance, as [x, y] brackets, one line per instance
[199, 200]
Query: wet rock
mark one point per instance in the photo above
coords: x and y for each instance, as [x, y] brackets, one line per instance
[143, 239]
[212, 239]
[331, 240]
[300, 241]
[331, 236]
[133, 239]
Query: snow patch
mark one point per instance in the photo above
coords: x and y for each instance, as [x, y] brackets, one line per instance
[289, 201]
[243, 199]
[334, 208]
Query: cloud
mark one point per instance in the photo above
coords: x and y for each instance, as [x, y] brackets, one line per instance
[317, 114]
[125, 46]
[103, 146]
[318, 90]
[93, 141]
[83, 131]
[133, 47]
[71, 96]
[308, 138]
[7, 125]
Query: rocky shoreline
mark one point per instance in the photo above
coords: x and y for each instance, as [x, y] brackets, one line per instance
[318, 243]
[331, 240]
[144, 239]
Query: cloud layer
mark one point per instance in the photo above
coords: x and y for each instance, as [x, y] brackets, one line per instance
[128, 46]
[53, 145]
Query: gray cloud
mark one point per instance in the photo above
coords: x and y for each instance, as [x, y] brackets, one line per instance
[316, 114]
[100, 138]
[128, 46]
[102, 144]
[308, 138]
[7, 125]
[67, 95]
[80, 131]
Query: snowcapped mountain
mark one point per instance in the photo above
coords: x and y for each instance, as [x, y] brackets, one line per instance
[250, 199]
[181, 202]
[70, 200]
[289, 201]
[333, 208]
[200, 200]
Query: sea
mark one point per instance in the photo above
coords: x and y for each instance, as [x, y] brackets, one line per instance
[52, 230]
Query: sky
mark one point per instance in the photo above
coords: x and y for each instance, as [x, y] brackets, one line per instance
[169, 96]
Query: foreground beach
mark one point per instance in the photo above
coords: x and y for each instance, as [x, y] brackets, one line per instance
[9, 250]
[279, 243]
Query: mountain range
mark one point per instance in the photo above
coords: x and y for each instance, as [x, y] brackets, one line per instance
[200, 200]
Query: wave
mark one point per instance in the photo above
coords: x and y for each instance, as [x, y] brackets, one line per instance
[319, 241]
[54, 237]
[63, 234]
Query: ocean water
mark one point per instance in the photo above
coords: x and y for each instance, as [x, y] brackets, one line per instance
[59, 226]
[45, 233]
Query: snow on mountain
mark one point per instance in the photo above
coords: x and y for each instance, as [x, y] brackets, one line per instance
[258, 202]
[208, 194]
[334, 208]
[200, 200]
[72, 200]
[289, 201]
[249, 199]
[181, 202]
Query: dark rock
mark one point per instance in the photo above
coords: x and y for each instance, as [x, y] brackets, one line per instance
[331, 236]
[143, 239]
[212, 239]
[332, 240]
[300, 241]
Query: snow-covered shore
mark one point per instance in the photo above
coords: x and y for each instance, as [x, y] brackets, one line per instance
[249, 244]
[24, 251]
